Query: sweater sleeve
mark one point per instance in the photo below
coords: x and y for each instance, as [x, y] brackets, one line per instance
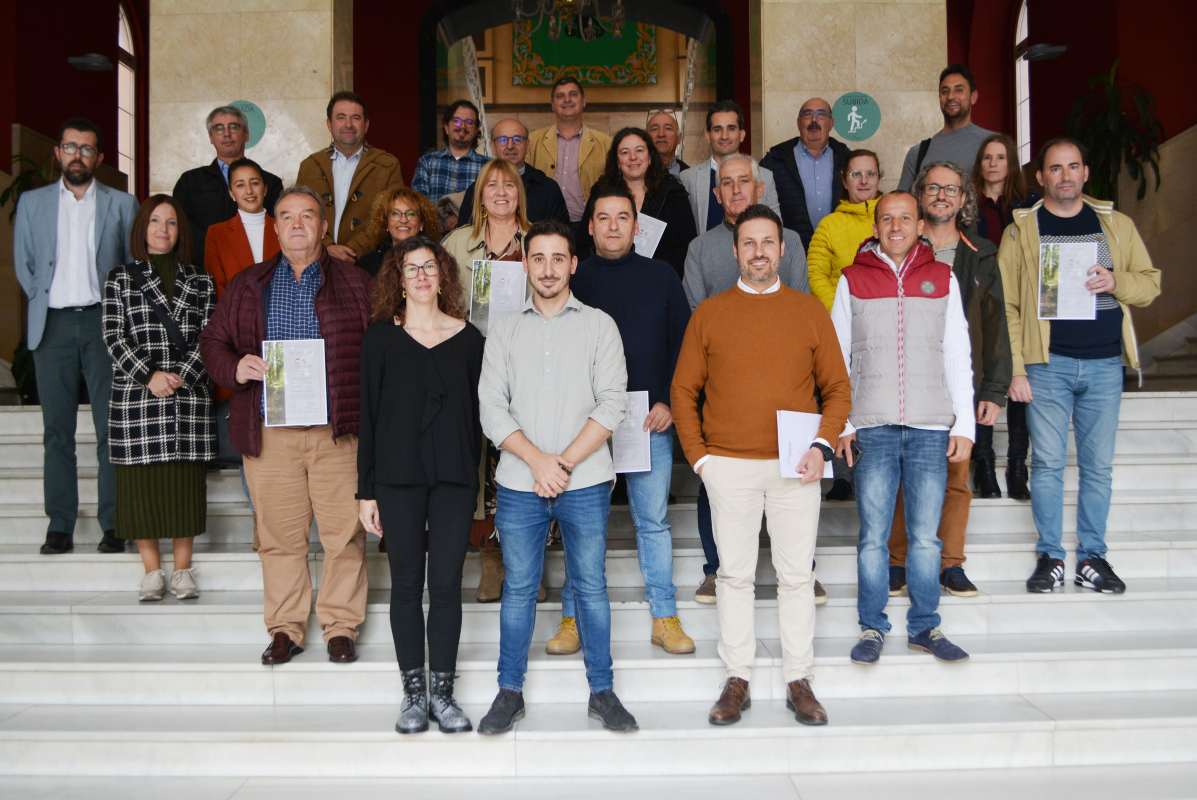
[692, 279]
[689, 378]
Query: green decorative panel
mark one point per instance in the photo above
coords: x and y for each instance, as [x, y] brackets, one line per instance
[630, 60]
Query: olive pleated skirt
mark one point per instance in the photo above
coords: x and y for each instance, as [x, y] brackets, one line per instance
[161, 501]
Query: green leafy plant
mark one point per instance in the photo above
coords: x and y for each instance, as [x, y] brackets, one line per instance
[1118, 126]
[31, 175]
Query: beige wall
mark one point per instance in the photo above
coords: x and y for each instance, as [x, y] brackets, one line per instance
[891, 49]
[275, 53]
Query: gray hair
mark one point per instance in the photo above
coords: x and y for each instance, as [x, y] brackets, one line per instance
[756, 170]
[967, 216]
[232, 111]
[306, 191]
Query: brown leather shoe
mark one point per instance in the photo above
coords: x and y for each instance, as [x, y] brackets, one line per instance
[280, 650]
[731, 702]
[341, 650]
[802, 701]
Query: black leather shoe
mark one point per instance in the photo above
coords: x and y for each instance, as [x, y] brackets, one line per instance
[985, 483]
[110, 544]
[606, 708]
[280, 650]
[57, 544]
[1016, 481]
[505, 711]
[341, 650]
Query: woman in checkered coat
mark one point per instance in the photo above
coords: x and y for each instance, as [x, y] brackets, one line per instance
[160, 426]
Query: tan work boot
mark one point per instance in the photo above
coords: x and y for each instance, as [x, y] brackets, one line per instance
[490, 584]
[566, 642]
[669, 636]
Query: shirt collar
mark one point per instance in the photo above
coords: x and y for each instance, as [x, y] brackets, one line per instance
[88, 195]
[776, 287]
[571, 303]
[803, 150]
[577, 135]
[337, 154]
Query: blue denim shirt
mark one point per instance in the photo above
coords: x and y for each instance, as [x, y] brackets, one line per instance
[818, 180]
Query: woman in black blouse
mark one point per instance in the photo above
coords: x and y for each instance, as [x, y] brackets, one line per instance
[418, 454]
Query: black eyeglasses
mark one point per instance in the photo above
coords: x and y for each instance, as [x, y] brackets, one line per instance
[71, 148]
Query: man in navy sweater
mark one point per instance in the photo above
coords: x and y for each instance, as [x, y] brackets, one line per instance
[645, 298]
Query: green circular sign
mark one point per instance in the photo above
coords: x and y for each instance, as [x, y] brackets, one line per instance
[257, 120]
[857, 116]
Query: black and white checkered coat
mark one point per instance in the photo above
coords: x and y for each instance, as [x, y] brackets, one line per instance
[142, 428]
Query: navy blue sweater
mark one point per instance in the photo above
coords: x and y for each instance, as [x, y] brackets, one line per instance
[645, 298]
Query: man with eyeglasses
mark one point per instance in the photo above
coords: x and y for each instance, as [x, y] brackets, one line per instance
[347, 176]
[66, 237]
[959, 139]
[568, 151]
[662, 129]
[949, 205]
[204, 191]
[455, 166]
[509, 139]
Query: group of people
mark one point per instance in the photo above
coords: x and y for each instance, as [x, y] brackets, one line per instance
[904, 319]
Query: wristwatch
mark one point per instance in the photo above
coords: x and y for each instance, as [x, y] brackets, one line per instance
[827, 452]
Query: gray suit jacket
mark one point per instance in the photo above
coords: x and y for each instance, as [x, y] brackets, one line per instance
[35, 244]
[697, 180]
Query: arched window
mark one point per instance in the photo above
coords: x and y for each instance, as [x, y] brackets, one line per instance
[126, 100]
[1022, 85]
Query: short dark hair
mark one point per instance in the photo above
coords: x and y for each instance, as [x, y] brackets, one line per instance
[1056, 141]
[564, 79]
[549, 227]
[723, 107]
[962, 71]
[605, 188]
[451, 109]
[352, 97]
[141, 224]
[83, 125]
[242, 163]
[756, 211]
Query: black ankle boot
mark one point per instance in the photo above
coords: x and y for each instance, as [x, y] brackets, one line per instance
[1016, 481]
[443, 708]
[985, 483]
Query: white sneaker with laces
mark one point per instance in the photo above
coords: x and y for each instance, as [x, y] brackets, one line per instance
[183, 585]
[153, 586]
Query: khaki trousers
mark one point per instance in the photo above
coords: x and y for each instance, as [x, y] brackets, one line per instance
[953, 522]
[740, 489]
[301, 472]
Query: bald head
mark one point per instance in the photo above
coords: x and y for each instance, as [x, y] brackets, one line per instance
[510, 140]
[814, 124]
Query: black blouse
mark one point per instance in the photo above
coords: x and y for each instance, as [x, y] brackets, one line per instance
[419, 421]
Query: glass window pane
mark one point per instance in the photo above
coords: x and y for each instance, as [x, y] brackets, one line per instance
[124, 87]
[124, 36]
[124, 134]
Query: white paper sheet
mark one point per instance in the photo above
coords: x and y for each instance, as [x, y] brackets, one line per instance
[795, 432]
[498, 288]
[649, 235]
[1063, 270]
[295, 384]
[630, 447]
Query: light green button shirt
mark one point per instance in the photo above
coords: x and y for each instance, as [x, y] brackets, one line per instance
[546, 376]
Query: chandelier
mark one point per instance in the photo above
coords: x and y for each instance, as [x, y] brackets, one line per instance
[582, 19]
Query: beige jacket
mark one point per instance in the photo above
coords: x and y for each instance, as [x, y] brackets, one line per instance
[1137, 282]
[378, 171]
[592, 154]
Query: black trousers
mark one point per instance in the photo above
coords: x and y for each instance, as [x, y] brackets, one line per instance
[1019, 435]
[426, 525]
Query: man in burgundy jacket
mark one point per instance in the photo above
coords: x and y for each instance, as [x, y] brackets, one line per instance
[293, 472]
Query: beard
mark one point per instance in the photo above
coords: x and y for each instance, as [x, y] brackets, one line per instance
[77, 177]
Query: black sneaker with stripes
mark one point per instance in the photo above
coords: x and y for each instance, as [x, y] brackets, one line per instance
[1048, 575]
[1098, 575]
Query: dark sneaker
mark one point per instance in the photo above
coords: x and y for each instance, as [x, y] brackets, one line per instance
[840, 490]
[820, 594]
[606, 708]
[868, 649]
[897, 581]
[935, 643]
[1098, 575]
[956, 583]
[1048, 575]
[505, 711]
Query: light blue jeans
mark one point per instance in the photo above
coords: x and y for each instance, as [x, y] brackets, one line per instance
[893, 455]
[648, 498]
[1089, 393]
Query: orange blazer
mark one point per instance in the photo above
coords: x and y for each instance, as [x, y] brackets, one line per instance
[227, 252]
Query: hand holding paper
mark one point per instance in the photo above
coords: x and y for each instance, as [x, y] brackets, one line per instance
[796, 431]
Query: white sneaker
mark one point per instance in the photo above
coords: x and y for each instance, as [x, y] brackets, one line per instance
[183, 585]
[153, 586]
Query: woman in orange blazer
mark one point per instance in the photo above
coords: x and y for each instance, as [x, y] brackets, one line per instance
[246, 238]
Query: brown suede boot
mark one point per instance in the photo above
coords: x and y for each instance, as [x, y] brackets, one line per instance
[490, 584]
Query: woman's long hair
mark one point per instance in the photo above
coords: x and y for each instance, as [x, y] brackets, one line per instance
[1015, 189]
[381, 209]
[141, 225]
[479, 211]
[656, 171]
[388, 300]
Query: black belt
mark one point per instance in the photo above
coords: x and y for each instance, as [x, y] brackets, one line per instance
[77, 308]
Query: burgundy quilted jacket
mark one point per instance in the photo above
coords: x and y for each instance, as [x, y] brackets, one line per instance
[238, 326]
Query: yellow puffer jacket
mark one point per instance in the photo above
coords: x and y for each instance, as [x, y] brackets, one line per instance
[834, 246]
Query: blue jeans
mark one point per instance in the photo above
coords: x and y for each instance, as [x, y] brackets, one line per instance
[1089, 392]
[521, 520]
[648, 499]
[893, 455]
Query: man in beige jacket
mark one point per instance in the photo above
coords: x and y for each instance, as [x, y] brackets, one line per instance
[348, 175]
[568, 151]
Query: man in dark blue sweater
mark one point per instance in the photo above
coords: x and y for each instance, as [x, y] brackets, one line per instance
[645, 298]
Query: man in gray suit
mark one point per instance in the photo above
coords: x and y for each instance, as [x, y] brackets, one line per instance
[66, 238]
[725, 133]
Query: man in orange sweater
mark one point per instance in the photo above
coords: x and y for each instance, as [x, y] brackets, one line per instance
[755, 349]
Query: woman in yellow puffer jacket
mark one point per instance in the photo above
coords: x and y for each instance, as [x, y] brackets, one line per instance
[841, 232]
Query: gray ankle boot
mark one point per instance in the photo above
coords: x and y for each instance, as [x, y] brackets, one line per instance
[443, 708]
[413, 712]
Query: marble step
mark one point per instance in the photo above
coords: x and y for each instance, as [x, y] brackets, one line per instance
[1002, 607]
[1029, 664]
[557, 739]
